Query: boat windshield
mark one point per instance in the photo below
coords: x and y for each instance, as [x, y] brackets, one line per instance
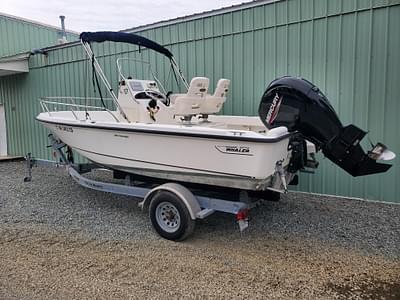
[131, 68]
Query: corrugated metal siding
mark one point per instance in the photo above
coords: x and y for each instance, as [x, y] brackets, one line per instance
[18, 36]
[350, 49]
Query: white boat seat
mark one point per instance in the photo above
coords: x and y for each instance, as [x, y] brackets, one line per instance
[212, 104]
[190, 103]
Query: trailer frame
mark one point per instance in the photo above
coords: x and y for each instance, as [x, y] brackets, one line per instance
[197, 206]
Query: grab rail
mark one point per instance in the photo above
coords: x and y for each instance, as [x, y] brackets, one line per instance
[45, 102]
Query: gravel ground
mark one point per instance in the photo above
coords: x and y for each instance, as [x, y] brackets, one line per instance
[61, 241]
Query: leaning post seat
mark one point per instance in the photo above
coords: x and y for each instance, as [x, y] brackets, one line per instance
[212, 104]
[189, 104]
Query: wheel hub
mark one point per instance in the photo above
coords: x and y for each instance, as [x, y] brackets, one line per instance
[167, 216]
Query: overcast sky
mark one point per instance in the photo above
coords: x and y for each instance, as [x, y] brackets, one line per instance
[92, 15]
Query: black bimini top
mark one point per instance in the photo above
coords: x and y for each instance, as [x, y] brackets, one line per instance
[123, 37]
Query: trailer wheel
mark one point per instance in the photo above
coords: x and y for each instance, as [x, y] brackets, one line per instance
[170, 216]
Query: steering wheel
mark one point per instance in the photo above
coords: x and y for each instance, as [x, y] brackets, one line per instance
[156, 95]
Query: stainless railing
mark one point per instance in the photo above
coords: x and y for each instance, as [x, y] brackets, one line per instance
[75, 104]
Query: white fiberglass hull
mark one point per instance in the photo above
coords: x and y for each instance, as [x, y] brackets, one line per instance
[184, 153]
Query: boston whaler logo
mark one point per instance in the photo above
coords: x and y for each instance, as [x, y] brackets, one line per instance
[240, 150]
[274, 109]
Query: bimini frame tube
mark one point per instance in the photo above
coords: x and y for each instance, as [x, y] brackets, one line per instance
[103, 77]
[179, 72]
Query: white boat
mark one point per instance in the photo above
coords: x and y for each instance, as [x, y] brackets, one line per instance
[180, 136]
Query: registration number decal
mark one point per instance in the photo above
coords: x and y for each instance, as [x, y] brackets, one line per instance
[64, 128]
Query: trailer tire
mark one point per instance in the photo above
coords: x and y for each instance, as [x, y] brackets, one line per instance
[170, 216]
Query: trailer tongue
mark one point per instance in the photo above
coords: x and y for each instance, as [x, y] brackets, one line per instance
[301, 106]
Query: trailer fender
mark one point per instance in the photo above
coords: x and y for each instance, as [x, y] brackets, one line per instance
[180, 191]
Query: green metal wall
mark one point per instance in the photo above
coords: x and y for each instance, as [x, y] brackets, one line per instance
[350, 49]
[18, 36]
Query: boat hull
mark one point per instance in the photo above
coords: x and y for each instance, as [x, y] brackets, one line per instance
[237, 163]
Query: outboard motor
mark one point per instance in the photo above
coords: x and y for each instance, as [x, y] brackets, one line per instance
[300, 106]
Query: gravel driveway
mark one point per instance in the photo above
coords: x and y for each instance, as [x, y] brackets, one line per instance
[61, 241]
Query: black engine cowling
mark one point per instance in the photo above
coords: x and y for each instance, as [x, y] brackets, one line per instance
[300, 106]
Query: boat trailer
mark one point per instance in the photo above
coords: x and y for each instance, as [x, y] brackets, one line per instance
[175, 218]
